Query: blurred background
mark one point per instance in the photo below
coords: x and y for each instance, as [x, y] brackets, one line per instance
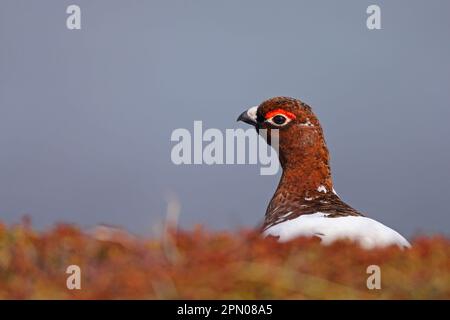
[86, 115]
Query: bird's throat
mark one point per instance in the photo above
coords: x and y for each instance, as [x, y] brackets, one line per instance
[309, 180]
[305, 163]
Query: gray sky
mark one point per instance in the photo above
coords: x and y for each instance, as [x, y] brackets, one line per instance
[86, 115]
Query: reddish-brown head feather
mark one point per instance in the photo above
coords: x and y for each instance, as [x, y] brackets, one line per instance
[306, 185]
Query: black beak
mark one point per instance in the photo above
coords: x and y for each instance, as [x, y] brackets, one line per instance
[244, 117]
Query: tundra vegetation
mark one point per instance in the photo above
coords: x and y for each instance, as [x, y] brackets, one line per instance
[202, 264]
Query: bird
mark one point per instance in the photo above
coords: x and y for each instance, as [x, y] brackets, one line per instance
[305, 202]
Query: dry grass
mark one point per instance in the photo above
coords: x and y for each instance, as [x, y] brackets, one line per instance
[212, 265]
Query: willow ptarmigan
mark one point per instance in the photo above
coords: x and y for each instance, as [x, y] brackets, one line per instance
[305, 203]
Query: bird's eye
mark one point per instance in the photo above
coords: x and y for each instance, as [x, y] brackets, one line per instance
[279, 119]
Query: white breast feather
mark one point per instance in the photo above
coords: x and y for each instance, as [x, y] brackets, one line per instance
[365, 231]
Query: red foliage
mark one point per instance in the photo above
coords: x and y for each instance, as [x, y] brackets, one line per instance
[213, 265]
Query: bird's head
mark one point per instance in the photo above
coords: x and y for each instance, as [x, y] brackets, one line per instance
[299, 129]
[302, 149]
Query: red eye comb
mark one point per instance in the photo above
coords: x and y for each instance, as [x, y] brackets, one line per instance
[272, 113]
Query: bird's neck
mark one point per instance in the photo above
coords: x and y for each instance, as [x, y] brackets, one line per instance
[306, 169]
[303, 188]
[309, 181]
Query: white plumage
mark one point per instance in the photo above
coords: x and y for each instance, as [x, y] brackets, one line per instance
[365, 231]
